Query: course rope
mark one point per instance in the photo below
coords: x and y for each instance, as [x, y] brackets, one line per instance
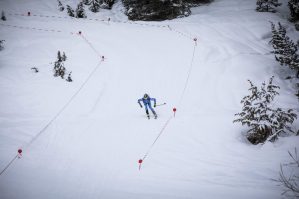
[160, 133]
[61, 110]
[188, 77]
[108, 20]
[170, 118]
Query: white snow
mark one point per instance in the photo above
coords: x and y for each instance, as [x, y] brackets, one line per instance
[91, 150]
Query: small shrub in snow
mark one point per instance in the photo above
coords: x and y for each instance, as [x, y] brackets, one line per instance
[264, 121]
[267, 5]
[2, 44]
[69, 77]
[34, 69]
[290, 181]
[60, 6]
[70, 11]
[80, 12]
[3, 18]
[294, 10]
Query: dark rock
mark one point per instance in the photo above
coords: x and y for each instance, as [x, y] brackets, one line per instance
[260, 136]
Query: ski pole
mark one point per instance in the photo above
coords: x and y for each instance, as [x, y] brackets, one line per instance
[161, 104]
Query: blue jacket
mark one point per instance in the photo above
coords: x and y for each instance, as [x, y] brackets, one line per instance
[147, 101]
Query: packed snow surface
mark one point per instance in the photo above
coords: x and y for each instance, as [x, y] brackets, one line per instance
[83, 139]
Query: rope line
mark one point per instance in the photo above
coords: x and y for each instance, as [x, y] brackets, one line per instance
[180, 101]
[188, 77]
[66, 105]
[104, 20]
[61, 110]
[90, 45]
[8, 165]
[54, 118]
[162, 130]
[32, 28]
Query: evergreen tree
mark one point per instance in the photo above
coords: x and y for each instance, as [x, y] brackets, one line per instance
[70, 11]
[57, 66]
[80, 12]
[257, 113]
[294, 9]
[266, 5]
[63, 57]
[94, 6]
[3, 18]
[277, 38]
[59, 58]
[86, 2]
[285, 49]
[60, 6]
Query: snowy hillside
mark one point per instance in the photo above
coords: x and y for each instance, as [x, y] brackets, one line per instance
[83, 139]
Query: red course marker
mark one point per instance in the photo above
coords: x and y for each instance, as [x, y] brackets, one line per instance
[20, 153]
[140, 162]
[174, 110]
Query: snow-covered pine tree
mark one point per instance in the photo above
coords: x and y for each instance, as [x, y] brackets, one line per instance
[63, 56]
[277, 38]
[59, 58]
[70, 11]
[80, 12]
[57, 66]
[94, 6]
[257, 113]
[285, 49]
[280, 120]
[62, 71]
[267, 5]
[60, 6]
[294, 9]
[86, 2]
[3, 18]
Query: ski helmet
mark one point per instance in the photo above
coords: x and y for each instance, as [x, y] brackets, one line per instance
[145, 96]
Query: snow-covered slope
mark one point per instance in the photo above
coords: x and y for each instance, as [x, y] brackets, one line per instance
[84, 139]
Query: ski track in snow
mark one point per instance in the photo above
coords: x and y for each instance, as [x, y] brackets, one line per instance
[91, 149]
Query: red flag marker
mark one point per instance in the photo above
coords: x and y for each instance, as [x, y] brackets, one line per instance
[140, 162]
[174, 110]
[20, 153]
[195, 40]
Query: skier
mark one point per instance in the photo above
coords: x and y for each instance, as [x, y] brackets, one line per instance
[147, 104]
